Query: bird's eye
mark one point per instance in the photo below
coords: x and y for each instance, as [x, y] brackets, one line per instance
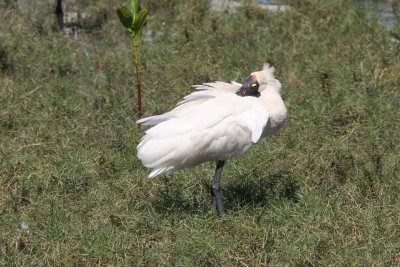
[254, 85]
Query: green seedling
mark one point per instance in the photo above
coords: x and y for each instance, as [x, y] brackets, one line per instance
[134, 18]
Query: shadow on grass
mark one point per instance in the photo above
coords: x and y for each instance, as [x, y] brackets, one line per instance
[257, 190]
[249, 190]
[173, 195]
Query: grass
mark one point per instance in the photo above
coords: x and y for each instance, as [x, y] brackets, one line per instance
[324, 191]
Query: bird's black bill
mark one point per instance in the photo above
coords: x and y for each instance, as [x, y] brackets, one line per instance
[249, 88]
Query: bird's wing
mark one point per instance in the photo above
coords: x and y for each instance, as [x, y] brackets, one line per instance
[255, 120]
[216, 129]
[203, 93]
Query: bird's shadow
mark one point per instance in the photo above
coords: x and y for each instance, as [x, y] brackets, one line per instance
[251, 189]
[254, 189]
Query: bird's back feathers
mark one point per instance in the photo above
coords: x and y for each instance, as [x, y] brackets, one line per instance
[203, 93]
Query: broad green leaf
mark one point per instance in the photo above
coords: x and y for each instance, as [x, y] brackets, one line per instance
[125, 16]
[137, 6]
[131, 6]
[140, 20]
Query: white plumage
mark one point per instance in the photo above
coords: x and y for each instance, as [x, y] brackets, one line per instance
[212, 124]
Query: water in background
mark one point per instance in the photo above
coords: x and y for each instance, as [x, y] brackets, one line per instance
[267, 1]
[383, 10]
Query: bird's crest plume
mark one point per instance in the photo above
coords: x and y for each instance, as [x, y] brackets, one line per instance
[266, 74]
[269, 70]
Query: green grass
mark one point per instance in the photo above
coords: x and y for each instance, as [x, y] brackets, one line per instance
[324, 191]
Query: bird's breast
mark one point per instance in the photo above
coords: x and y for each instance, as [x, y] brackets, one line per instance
[277, 113]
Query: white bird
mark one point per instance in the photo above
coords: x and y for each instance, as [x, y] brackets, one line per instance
[218, 121]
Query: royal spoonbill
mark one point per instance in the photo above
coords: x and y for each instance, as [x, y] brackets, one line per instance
[216, 122]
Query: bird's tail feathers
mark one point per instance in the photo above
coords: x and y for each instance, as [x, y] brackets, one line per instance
[153, 120]
[164, 149]
[159, 171]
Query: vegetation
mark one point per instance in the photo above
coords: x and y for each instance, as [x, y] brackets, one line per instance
[133, 18]
[325, 191]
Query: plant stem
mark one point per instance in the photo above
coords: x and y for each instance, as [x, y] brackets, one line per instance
[136, 56]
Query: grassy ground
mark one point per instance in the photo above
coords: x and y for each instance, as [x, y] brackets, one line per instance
[325, 191]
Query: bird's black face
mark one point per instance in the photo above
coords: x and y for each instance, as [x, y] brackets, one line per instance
[249, 87]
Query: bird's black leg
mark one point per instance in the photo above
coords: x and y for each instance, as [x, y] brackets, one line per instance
[216, 189]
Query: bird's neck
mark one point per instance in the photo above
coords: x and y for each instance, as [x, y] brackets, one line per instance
[271, 98]
[273, 102]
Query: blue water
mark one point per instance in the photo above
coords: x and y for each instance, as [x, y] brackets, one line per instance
[267, 1]
[383, 11]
